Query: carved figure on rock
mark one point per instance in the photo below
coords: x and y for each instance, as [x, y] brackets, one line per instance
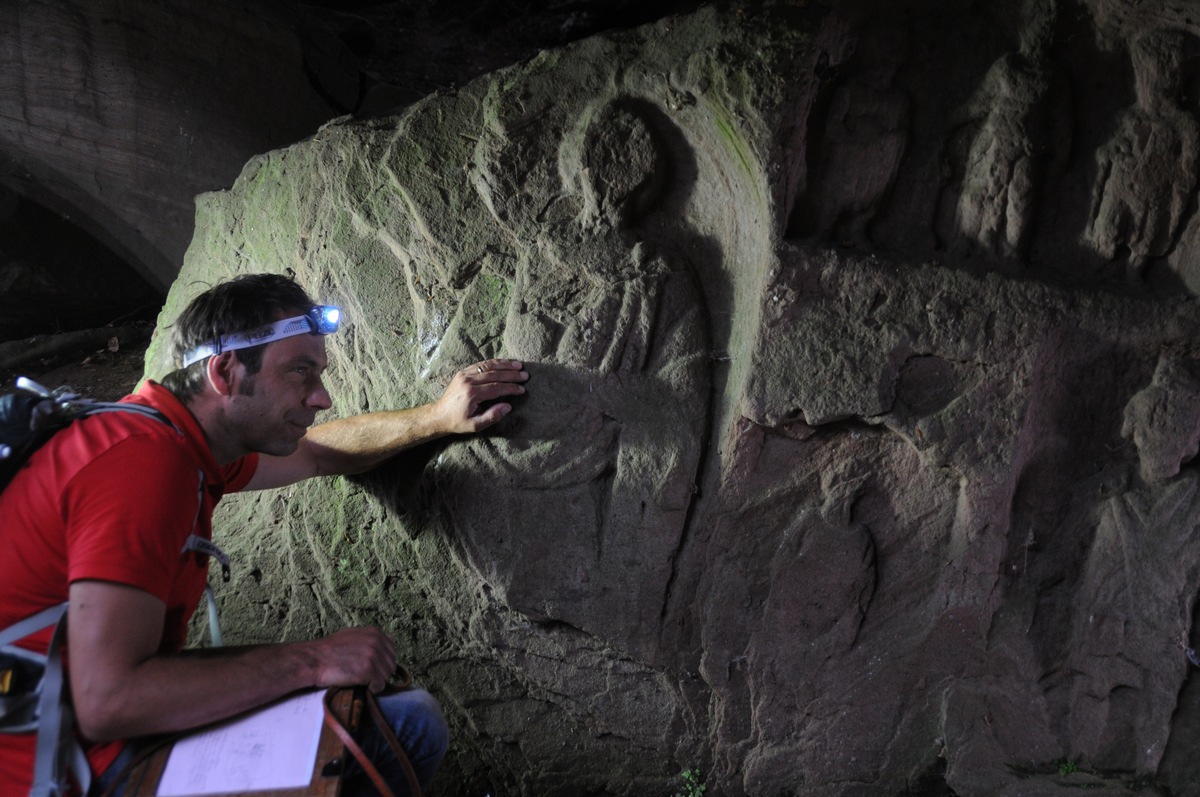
[596, 486]
[1164, 420]
[1146, 173]
[1019, 125]
[864, 135]
[1133, 611]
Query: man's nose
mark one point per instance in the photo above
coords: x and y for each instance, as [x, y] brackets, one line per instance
[319, 397]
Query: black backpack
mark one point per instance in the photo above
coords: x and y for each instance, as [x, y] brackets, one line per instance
[32, 415]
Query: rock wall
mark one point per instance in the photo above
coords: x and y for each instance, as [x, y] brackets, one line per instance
[858, 453]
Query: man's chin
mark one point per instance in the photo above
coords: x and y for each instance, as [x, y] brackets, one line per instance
[281, 448]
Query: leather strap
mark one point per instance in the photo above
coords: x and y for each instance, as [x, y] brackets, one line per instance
[385, 730]
[414, 785]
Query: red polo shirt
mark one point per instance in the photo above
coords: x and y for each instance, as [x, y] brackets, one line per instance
[113, 497]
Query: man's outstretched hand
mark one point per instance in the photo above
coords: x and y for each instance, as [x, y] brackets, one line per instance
[470, 404]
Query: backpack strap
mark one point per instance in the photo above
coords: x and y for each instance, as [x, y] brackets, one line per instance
[32, 624]
[198, 544]
[95, 407]
[57, 750]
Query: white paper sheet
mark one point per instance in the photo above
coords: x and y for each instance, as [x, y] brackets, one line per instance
[273, 748]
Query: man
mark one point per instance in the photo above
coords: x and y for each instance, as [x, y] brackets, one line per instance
[107, 515]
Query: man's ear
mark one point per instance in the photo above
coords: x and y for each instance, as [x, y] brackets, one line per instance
[223, 372]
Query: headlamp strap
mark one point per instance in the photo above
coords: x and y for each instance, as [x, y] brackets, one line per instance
[322, 319]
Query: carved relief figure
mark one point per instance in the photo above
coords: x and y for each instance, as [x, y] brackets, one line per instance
[602, 469]
[1146, 173]
[1019, 127]
[1128, 658]
[863, 138]
[1163, 419]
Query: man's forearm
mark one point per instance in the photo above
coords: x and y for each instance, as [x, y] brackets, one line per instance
[173, 693]
[474, 400]
[123, 687]
[360, 442]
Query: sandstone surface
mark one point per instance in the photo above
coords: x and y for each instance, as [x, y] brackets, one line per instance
[858, 453]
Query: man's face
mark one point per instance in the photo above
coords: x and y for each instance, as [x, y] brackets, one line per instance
[271, 410]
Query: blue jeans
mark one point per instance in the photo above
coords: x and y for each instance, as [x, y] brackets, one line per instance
[416, 719]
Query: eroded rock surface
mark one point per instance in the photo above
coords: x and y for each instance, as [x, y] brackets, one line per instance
[875, 485]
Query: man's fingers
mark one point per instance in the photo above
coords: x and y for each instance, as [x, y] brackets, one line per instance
[482, 395]
[466, 406]
[498, 365]
[490, 416]
[496, 371]
[489, 385]
[494, 390]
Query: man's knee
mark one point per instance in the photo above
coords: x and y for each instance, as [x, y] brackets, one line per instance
[417, 720]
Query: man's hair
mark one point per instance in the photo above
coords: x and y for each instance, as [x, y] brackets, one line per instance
[242, 304]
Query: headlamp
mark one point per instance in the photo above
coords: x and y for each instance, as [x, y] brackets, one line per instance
[322, 319]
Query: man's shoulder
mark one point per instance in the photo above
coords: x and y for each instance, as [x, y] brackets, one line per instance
[140, 448]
